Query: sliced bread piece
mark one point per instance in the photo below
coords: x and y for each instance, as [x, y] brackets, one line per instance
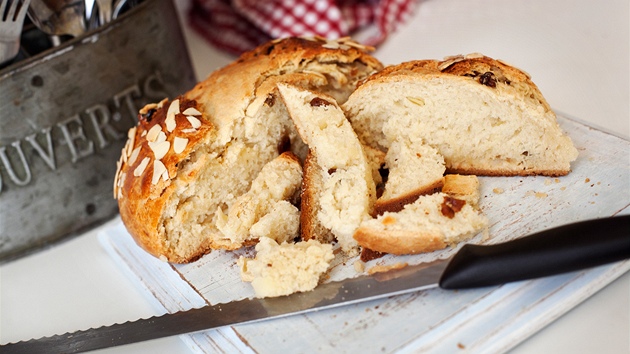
[484, 116]
[279, 180]
[344, 185]
[414, 169]
[430, 223]
[283, 269]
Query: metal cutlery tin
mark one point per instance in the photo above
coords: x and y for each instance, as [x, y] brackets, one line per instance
[64, 116]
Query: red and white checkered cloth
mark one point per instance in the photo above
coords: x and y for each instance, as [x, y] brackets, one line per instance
[240, 25]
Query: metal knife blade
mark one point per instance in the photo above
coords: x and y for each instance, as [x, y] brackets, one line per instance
[554, 251]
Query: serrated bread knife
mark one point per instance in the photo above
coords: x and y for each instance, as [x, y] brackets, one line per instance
[559, 250]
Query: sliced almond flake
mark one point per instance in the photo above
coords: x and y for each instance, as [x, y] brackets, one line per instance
[474, 55]
[191, 111]
[358, 46]
[144, 133]
[179, 144]
[165, 176]
[121, 182]
[170, 122]
[141, 167]
[315, 73]
[131, 135]
[160, 149]
[153, 133]
[116, 177]
[134, 155]
[128, 148]
[158, 171]
[188, 130]
[123, 154]
[144, 110]
[416, 100]
[448, 61]
[196, 123]
[173, 108]
[121, 179]
[162, 102]
[161, 137]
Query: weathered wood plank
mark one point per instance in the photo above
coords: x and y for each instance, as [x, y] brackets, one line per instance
[490, 319]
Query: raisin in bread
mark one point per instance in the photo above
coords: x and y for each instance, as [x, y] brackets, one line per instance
[195, 154]
[266, 209]
[430, 223]
[343, 188]
[484, 116]
[286, 268]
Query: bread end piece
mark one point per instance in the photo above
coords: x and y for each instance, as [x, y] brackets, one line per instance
[283, 269]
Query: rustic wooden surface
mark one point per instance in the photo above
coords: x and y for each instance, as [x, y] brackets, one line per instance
[481, 320]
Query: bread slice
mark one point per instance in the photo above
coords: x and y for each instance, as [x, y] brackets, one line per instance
[344, 189]
[484, 116]
[225, 129]
[414, 169]
[283, 269]
[277, 183]
[430, 223]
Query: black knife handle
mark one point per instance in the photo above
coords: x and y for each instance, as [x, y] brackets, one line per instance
[559, 250]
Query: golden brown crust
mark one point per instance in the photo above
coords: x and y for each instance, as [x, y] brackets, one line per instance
[292, 60]
[399, 241]
[141, 199]
[310, 227]
[482, 69]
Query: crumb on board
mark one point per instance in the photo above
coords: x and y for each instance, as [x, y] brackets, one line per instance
[385, 268]
[498, 190]
[536, 194]
[587, 180]
[359, 266]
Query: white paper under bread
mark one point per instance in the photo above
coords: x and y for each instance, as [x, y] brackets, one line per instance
[482, 320]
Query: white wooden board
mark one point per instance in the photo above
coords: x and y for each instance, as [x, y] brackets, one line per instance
[488, 320]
